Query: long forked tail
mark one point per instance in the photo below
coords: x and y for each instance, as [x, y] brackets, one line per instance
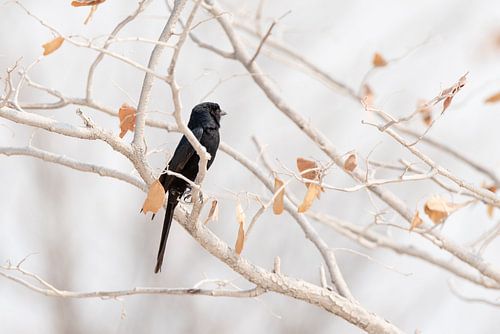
[169, 214]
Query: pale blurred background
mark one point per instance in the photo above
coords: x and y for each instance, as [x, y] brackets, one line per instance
[87, 232]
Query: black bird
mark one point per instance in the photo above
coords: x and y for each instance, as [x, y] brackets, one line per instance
[204, 123]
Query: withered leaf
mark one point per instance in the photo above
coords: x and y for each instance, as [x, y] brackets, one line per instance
[155, 198]
[86, 3]
[437, 209]
[213, 214]
[416, 221]
[446, 103]
[126, 114]
[278, 205]
[312, 192]
[52, 46]
[490, 208]
[313, 173]
[378, 60]
[450, 92]
[311, 167]
[492, 188]
[240, 240]
[425, 110]
[368, 96]
[493, 98]
[351, 162]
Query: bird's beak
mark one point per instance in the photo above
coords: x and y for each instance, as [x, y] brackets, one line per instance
[223, 113]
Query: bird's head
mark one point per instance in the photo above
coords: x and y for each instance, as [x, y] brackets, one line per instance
[206, 114]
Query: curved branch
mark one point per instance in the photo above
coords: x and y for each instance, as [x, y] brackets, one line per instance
[74, 164]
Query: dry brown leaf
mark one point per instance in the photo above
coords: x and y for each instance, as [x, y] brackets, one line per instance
[416, 221]
[313, 174]
[368, 96]
[450, 92]
[312, 192]
[426, 111]
[378, 60]
[240, 240]
[493, 98]
[126, 114]
[213, 214]
[52, 46]
[311, 166]
[437, 209]
[427, 119]
[155, 199]
[489, 210]
[86, 3]
[446, 103]
[492, 188]
[351, 162]
[278, 205]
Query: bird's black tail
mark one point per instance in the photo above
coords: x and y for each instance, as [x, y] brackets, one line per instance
[169, 214]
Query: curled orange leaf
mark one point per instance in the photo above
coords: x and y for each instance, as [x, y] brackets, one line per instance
[240, 240]
[351, 162]
[86, 3]
[312, 192]
[416, 221]
[213, 214]
[155, 198]
[126, 114]
[378, 60]
[52, 46]
[278, 205]
[438, 209]
[493, 98]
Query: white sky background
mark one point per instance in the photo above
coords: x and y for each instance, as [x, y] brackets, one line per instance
[87, 230]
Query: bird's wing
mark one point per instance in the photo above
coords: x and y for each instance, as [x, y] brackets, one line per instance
[182, 154]
[184, 151]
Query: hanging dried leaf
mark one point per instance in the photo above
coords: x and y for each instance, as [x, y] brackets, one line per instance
[86, 3]
[437, 209]
[278, 205]
[425, 110]
[213, 214]
[311, 167]
[240, 240]
[155, 199]
[368, 96]
[126, 114]
[416, 221]
[427, 119]
[52, 46]
[351, 162]
[378, 60]
[313, 173]
[312, 192]
[492, 188]
[493, 98]
[446, 103]
[450, 92]
[490, 208]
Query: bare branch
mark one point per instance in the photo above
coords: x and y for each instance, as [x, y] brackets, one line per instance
[71, 163]
[147, 85]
